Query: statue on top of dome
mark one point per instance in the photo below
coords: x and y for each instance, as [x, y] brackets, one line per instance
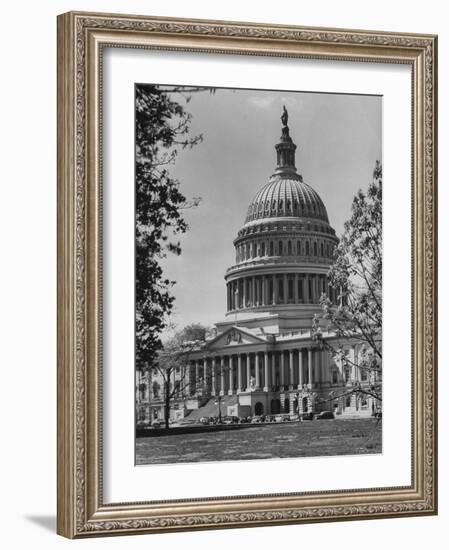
[284, 116]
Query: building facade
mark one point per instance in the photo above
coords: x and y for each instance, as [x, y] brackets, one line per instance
[263, 359]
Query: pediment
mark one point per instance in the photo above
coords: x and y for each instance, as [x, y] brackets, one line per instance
[234, 336]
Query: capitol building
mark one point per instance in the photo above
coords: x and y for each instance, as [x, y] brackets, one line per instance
[262, 358]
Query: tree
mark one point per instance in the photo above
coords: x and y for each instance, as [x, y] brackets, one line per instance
[162, 128]
[356, 276]
[172, 365]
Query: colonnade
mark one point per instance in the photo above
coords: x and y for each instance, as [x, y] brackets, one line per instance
[264, 290]
[323, 248]
[267, 371]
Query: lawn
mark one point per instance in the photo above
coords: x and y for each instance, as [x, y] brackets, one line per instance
[288, 440]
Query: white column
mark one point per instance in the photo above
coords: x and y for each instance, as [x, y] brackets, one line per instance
[231, 377]
[213, 376]
[239, 373]
[273, 369]
[197, 377]
[222, 376]
[300, 370]
[282, 373]
[256, 361]
[266, 372]
[310, 365]
[291, 370]
[248, 371]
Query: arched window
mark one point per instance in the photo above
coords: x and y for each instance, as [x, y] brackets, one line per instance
[280, 248]
[254, 250]
[262, 249]
[271, 248]
[307, 248]
[322, 249]
[289, 248]
[298, 248]
[315, 252]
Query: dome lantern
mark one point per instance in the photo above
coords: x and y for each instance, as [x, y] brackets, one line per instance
[285, 148]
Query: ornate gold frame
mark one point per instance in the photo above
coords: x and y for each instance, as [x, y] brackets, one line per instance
[81, 37]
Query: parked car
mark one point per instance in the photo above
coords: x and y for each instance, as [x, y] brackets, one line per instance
[204, 420]
[231, 420]
[306, 416]
[325, 415]
[256, 420]
[157, 424]
[293, 417]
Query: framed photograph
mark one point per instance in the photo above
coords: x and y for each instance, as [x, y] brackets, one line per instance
[246, 238]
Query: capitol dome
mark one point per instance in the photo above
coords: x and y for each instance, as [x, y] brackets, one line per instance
[285, 247]
[286, 195]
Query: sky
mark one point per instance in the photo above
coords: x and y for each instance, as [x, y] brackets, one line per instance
[338, 138]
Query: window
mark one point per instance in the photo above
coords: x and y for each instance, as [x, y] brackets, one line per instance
[156, 390]
[300, 289]
[322, 249]
[315, 252]
[262, 249]
[298, 248]
[289, 246]
[143, 391]
[271, 248]
[307, 248]
[280, 248]
[334, 376]
[281, 290]
[290, 289]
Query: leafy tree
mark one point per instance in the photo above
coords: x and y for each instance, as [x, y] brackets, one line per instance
[162, 128]
[356, 276]
[172, 365]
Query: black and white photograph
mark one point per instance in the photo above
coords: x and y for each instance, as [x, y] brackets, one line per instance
[258, 274]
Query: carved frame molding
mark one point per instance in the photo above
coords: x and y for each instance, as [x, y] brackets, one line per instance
[81, 38]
